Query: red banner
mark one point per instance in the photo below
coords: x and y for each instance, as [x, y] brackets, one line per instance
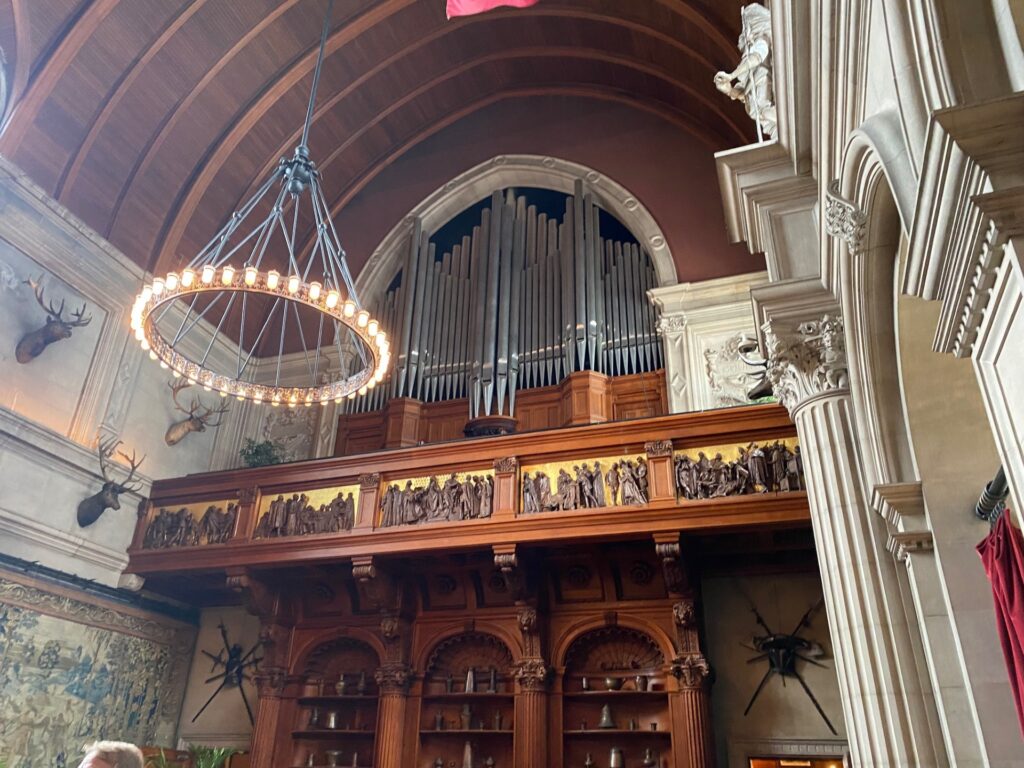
[471, 7]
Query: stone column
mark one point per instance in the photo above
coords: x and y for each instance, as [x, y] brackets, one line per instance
[393, 682]
[888, 707]
[531, 737]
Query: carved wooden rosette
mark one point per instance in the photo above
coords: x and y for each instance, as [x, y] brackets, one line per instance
[369, 499]
[506, 487]
[660, 480]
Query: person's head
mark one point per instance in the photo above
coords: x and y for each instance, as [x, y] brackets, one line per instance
[111, 754]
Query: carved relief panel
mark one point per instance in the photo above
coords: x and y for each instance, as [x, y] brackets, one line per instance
[190, 525]
[588, 483]
[309, 512]
[459, 496]
[730, 470]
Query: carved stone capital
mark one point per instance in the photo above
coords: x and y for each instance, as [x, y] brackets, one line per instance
[393, 678]
[671, 323]
[369, 481]
[507, 465]
[692, 670]
[658, 448]
[532, 674]
[843, 219]
[807, 360]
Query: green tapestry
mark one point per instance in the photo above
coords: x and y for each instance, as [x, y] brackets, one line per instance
[74, 670]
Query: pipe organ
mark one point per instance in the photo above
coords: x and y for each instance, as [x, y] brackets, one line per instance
[520, 302]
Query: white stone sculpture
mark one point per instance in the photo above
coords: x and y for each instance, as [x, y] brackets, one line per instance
[751, 81]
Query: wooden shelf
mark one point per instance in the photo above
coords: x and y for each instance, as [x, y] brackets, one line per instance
[470, 732]
[469, 697]
[337, 733]
[614, 694]
[590, 732]
[329, 700]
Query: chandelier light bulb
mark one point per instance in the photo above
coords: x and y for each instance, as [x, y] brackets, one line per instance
[140, 333]
[147, 294]
[158, 286]
[176, 373]
[227, 275]
[144, 344]
[362, 318]
[163, 365]
[362, 390]
[188, 276]
[208, 272]
[171, 281]
[152, 355]
[314, 291]
[349, 309]
[351, 395]
[332, 299]
[251, 273]
[372, 327]
[273, 279]
[293, 284]
[371, 383]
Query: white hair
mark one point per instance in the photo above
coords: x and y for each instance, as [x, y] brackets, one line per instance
[119, 754]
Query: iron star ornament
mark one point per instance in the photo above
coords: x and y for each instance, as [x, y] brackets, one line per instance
[234, 665]
[782, 651]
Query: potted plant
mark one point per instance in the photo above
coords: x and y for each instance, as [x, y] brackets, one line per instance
[260, 454]
[209, 757]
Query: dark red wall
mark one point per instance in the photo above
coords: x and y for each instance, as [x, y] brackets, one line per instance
[669, 171]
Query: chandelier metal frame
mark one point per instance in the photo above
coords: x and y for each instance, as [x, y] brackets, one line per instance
[319, 281]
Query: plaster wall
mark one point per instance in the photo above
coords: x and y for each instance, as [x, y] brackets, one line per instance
[782, 721]
[224, 723]
[956, 455]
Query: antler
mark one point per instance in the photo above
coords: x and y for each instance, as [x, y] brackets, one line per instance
[106, 449]
[127, 485]
[176, 386]
[79, 320]
[55, 313]
[210, 413]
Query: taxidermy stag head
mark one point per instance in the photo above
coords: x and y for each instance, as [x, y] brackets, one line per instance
[198, 416]
[90, 509]
[56, 328]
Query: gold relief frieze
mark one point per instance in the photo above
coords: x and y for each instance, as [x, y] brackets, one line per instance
[190, 525]
[431, 499]
[307, 512]
[711, 472]
[585, 483]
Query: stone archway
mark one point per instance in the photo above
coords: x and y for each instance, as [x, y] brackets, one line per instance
[502, 171]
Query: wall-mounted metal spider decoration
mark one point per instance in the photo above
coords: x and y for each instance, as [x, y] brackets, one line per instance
[234, 664]
[782, 653]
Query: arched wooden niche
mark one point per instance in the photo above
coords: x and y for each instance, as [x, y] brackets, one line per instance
[448, 665]
[618, 652]
[343, 658]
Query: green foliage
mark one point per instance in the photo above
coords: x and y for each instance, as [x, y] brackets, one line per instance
[260, 454]
[209, 757]
[160, 761]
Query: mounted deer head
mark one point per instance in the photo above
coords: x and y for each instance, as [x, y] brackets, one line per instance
[56, 328]
[90, 509]
[198, 416]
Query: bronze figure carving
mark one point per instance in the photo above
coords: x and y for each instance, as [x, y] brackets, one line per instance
[757, 469]
[297, 517]
[468, 499]
[585, 488]
[179, 529]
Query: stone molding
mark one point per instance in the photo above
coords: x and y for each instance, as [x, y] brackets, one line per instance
[843, 219]
[902, 507]
[807, 360]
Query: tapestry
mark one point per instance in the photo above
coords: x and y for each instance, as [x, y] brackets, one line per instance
[75, 669]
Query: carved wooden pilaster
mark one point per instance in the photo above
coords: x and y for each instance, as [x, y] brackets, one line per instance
[248, 509]
[506, 487]
[693, 741]
[531, 737]
[369, 500]
[270, 684]
[393, 680]
[660, 480]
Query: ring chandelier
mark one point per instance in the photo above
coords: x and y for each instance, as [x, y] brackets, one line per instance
[228, 281]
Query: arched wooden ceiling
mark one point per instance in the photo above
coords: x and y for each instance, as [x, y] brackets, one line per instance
[152, 119]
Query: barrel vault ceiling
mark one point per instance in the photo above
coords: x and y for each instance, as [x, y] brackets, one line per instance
[152, 119]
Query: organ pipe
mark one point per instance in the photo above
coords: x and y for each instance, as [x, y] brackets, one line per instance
[521, 302]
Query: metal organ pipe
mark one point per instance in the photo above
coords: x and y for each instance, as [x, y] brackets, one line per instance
[522, 301]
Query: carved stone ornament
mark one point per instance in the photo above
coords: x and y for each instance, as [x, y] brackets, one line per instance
[508, 464]
[532, 674]
[671, 324]
[807, 362]
[843, 218]
[692, 670]
[393, 678]
[658, 448]
[751, 81]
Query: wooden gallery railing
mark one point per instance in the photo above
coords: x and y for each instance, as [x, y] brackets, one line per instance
[258, 517]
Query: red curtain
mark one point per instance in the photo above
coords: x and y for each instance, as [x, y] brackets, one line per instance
[1002, 553]
[469, 7]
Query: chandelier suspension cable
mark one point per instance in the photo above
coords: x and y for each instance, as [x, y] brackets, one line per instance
[319, 282]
